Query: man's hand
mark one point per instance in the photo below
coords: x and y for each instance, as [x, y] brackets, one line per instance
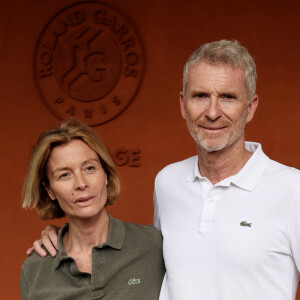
[48, 239]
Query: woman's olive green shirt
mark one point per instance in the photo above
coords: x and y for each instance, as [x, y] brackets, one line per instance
[129, 266]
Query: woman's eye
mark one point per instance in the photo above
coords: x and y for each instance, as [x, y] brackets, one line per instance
[63, 175]
[90, 168]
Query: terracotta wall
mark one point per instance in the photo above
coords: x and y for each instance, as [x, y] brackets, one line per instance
[150, 132]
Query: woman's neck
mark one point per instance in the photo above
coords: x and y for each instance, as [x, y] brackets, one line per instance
[84, 234]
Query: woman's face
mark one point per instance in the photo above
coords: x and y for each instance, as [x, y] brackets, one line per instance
[77, 180]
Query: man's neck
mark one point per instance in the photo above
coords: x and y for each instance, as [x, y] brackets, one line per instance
[219, 165]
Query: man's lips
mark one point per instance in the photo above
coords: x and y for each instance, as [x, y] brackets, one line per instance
[213, 128]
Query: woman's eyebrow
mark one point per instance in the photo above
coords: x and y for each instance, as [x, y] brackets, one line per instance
[91, 160]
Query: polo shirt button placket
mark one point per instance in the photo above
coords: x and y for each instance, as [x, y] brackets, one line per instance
[97, 280]
[209, 200]
[208, 210]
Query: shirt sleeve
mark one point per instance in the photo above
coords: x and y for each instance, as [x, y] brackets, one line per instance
[24, 286]
[295, 230]
[156, 220]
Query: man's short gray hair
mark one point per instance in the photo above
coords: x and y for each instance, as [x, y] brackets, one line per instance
[225, 52]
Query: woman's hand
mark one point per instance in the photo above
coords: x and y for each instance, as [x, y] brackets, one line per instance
[48, 240]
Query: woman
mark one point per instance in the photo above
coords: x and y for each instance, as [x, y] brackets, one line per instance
[99, 257]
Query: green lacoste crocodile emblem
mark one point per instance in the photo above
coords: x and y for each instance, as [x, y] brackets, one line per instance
[134, 281]
[245, 224]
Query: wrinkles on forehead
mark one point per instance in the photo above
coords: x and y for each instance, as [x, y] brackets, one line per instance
[215, 78]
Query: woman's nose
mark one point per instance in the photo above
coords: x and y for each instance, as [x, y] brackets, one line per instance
[80, 182]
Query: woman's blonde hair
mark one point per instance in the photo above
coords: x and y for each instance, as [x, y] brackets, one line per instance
[34, 194]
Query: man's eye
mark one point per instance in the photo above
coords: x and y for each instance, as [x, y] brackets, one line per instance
[201, 95]
[228, 96]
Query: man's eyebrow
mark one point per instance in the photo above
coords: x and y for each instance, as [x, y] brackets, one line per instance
[197, 92]
[231, 94]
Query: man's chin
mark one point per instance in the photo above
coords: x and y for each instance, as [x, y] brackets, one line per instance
[210, 147]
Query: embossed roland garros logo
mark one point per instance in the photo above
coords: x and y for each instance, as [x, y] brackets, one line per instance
[89, 63]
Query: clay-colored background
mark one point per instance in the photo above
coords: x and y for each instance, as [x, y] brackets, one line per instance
[170, 31]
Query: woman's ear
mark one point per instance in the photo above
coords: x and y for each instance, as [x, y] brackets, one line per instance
[49, 191]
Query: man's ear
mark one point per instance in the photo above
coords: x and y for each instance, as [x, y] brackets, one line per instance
[182, 105]
[49, 191]
[252, 108]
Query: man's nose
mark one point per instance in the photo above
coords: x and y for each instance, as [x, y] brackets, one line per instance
[213, 110]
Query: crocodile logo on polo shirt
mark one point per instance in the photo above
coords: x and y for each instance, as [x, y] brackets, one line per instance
[245, 224]
[134, 281]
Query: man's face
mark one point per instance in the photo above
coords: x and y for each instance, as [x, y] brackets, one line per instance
[215, 105]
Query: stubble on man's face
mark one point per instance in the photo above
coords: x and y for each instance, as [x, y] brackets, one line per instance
[215, 106]
[213, 144]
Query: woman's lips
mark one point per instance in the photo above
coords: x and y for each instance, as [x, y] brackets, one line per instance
[84, 201]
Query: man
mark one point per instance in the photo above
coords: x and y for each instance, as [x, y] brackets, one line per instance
[229, 214]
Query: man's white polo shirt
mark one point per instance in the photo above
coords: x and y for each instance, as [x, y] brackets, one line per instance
[236, 240]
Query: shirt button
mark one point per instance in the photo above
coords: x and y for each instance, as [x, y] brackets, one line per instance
[208, 200]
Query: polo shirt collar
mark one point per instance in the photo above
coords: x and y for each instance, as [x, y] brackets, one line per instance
[248, 177]
[115, 239]
[194, 173]
[61, 252]
[116, 234]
